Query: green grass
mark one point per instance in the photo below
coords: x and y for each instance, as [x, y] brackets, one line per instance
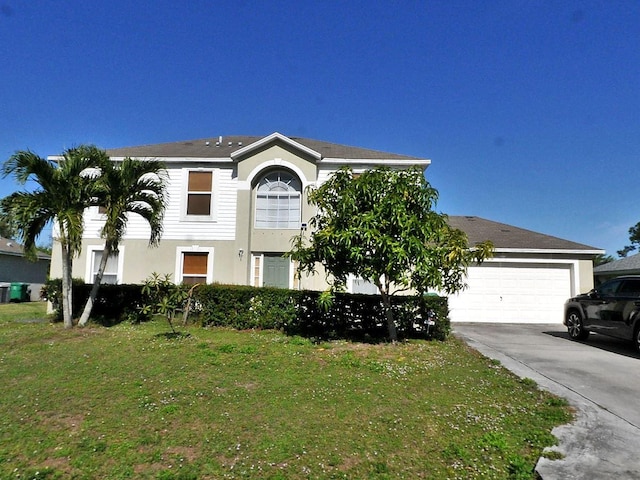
[130, 402]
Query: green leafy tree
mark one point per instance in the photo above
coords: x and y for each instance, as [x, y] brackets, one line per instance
[63, 192]
[381, 226]
[634, 239]
[124, 188]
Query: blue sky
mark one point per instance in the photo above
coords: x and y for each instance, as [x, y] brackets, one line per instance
[529, 110]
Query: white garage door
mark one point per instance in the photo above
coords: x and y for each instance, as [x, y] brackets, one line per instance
[513, 293]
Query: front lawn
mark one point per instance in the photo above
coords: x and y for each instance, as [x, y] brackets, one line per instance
[131, 402]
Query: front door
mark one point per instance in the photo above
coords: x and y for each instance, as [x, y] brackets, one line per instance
[276, 271]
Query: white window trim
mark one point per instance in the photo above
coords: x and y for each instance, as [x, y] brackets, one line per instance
[214, 196]
[260, 269]
[276, 162]
[91, 249]
[193, 249]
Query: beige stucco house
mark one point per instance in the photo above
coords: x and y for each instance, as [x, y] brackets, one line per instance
[235, 203]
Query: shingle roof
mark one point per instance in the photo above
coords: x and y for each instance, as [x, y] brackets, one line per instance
[623, 265]
[11, 247]
[505, 236]
[214, 148]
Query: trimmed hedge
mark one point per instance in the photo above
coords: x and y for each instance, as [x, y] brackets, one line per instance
[114, 304]
[351, 316]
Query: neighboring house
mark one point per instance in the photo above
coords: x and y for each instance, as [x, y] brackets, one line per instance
[235, 203]
[14, 267]
[623, 266]
[528, 279]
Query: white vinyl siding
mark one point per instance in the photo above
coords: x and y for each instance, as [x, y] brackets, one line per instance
[176, 225]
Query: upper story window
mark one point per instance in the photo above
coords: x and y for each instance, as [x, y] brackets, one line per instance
[199, 199]
[199, 193]
[278, 200]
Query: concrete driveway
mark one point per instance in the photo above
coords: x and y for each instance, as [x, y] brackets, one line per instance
[599, 377]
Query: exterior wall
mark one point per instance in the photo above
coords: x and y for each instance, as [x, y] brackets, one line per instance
[585, 275]
[15, 268]
[274, 157]
[258, 241]
[140, 261]
[176, 226]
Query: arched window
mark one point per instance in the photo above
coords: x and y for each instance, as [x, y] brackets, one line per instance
[278, 201]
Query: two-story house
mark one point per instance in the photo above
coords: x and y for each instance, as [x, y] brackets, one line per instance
[234, 204]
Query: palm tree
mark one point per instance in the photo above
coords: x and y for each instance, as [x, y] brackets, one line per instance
[63, 192]
[131, 186]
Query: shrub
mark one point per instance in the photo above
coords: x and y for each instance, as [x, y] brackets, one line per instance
[353, 316]
[243, 307]
[348, 316]
[114, 304]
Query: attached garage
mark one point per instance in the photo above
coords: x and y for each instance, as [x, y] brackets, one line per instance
[513, 292]
[528, 279]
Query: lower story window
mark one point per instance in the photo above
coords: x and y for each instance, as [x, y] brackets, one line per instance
[194, 265]
[110, 275]
[194, 268]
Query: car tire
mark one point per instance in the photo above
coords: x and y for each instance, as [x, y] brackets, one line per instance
[636, 339]
[575, 326]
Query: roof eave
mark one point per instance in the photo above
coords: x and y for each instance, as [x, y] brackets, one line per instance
[549, 250]
[377, 161]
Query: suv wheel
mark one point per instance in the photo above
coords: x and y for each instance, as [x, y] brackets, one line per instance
[636, 339]
[575, 327]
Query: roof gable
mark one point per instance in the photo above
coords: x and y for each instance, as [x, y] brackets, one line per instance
[270, 140]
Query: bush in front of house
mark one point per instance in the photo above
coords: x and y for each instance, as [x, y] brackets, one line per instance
[114, 303]
[243, 307]
[296, 312]
[353, 316]
[361, 317]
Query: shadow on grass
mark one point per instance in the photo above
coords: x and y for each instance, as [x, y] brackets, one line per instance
[173, 335]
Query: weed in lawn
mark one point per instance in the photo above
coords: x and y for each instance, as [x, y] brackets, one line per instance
[528, 382]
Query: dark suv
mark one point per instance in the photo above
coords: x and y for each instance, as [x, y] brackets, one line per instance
[611, 309]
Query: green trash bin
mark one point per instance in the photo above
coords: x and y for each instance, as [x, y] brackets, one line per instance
[19, 292]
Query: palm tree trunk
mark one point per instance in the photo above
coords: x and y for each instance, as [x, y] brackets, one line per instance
[86, 313]
[67, 289]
